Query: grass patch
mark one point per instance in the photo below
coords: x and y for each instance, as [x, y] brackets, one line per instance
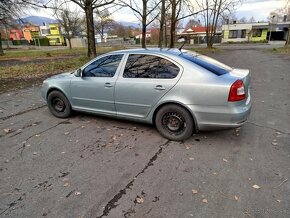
[283, 50]
[34, 70]
[28, 53]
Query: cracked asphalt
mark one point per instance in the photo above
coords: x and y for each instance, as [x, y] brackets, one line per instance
[90, 166]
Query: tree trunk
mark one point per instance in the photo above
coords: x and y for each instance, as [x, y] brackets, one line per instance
[165, 35]
[90, 32]
[173, 24]
[288, 38]
[1, 48]
[144, 18]
[162, 19]
[69, 42]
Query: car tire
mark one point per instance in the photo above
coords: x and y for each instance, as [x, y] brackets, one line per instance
[174, 122]
[58, 104]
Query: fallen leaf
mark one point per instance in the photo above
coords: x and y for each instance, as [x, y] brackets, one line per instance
[194, 191]
[204, 201]
[77, 193]
[274, 143]
[66, 184]
[225, 160]
[214, 173]
[139, 200]
[236, 198]
[37, 135]
[114, 137]
[82, 127]
[65, 179]
[34, 153]
[279, 201]
[28, 145]
[33, 124]
[66, 133]
[256, 187]
[63, 152]
[7, 130]
[191, 158]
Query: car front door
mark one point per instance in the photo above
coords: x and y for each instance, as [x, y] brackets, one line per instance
[94, 90]
[146, 78]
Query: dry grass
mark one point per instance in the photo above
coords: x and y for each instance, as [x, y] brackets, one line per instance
[283, 50]
[54, 61]
[33, 70]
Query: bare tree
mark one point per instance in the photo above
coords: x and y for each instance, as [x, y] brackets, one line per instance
[252, 20]
[192, 22]
[89, 6]
[104, 21]
[180, 9]
[162, 23]
[213, 10]
[70, 22]
[142, 12]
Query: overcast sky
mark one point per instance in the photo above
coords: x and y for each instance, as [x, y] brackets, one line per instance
[259, 9]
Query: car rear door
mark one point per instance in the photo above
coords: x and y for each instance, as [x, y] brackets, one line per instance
[94, 90]
[145, 79]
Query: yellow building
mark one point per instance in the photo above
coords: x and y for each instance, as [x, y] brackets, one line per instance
[55, 37]
[245, 32]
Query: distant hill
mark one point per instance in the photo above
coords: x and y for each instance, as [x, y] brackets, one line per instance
[131, 24]
[37, 20]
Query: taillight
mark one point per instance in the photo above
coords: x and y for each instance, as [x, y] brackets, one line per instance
[237, 91]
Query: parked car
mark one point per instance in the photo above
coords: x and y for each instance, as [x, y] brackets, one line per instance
[179, 91]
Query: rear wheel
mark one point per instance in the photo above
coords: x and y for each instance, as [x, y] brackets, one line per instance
[58, 104]
[174, 122]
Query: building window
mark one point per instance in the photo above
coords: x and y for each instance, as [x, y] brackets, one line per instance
[45, 31]
[243, 34]
[257, 33]
[233, 34]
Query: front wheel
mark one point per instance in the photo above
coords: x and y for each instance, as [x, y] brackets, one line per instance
[58, 104]
[174, 122]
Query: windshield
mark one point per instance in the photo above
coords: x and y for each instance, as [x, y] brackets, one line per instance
[208, 63]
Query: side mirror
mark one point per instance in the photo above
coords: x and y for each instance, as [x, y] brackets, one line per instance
[78, 73]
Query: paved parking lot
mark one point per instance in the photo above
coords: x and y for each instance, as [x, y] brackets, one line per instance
[89, 166]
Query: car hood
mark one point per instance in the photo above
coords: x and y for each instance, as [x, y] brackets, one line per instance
[62, 75]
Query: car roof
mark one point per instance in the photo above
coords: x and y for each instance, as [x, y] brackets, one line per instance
[166, 51]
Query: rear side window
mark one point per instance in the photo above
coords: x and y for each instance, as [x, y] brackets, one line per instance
[208, 63]
[149, 66]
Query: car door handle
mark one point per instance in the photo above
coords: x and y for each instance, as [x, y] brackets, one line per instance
[159, 87]
[108, 85]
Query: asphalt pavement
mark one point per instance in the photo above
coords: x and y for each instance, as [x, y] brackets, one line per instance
[90, 166]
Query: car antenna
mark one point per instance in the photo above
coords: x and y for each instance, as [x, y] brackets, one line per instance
[181, 40]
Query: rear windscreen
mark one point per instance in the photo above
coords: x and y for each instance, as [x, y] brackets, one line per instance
[208, 63]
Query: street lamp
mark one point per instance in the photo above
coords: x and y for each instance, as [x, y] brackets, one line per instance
[271, 27]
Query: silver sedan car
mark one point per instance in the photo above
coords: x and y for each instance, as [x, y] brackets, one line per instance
[179, 91]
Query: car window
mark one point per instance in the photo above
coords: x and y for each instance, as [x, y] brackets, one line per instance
[149, 66]
[208, 63]
[103, 67]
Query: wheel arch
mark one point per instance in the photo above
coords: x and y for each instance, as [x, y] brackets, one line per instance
[176, 103]
[51, 89]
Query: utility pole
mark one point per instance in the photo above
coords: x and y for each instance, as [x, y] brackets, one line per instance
[271, 28]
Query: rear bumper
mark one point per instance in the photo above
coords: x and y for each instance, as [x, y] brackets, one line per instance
[221, 117]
